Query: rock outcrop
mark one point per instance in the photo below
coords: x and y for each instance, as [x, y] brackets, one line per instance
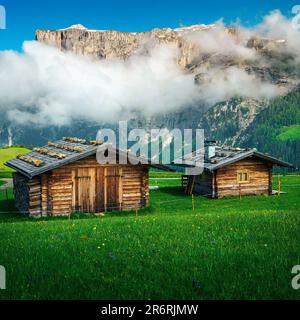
[111, 44]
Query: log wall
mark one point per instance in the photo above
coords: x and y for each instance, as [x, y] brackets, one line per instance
[83, 186]
[260, 179]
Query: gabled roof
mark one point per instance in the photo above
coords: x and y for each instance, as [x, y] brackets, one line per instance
[49, 163]
[228, 155]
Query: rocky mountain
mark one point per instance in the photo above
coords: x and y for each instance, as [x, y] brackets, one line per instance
[228, 120]
[109, 44]
[193, 55]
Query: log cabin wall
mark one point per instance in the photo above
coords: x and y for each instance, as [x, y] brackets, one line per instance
[87, 186]
[135, 186]
[27, 194]
[35, 196]
[260, 178]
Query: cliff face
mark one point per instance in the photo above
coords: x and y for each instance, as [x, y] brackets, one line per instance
[108, 44]
[192, 55]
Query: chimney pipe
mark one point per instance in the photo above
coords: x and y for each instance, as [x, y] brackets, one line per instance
[209, 148]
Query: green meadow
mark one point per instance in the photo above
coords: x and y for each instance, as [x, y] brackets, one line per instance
[224, 249]
[290, 133]
[6, 154]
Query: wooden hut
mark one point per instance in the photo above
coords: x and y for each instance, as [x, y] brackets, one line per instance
[231, 172]
[65, 177]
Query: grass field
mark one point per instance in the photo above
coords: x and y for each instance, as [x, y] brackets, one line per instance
[225, 249]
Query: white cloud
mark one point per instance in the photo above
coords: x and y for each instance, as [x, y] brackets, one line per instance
[44, 86]
[218, 39]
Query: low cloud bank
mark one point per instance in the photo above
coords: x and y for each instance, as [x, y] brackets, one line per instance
[44, 86]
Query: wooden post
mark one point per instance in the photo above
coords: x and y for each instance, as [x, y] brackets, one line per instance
[240, 192]
[193, 202]
[278, 177]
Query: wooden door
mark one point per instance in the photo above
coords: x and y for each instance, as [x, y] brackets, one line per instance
[112, 181]
[84, 190]
[97, 189]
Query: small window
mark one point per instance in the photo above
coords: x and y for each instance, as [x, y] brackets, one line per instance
[243, 177]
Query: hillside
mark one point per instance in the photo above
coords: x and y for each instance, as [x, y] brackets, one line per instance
[9, 153]
[276, 128]
[290, 133]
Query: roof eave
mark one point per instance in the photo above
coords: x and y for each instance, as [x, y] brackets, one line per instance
[278, 162]
[251, 153]
[7, 164]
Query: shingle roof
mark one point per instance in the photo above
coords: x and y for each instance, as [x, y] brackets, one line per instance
[49, 163]
[228, 155]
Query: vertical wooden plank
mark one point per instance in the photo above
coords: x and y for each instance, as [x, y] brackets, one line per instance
[147, 185]
[143, 193]
[270, 181]
[44, 182]
[120, 198]
[105, 188]
[93, 189]
[100, 189]
[50, 203]
[79, 201]
[74, 190]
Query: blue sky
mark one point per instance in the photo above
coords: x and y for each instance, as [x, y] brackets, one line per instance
[24, 17]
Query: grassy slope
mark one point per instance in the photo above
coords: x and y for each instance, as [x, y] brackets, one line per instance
[9, 153]
[226, 248]
[5, 155]
[290, 133]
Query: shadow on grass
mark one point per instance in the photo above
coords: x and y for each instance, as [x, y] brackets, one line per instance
[173, 191]
[9, 214]
[8, 210]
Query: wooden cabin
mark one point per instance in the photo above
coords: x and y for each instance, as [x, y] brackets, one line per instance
[65, 177]
[232, 172]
